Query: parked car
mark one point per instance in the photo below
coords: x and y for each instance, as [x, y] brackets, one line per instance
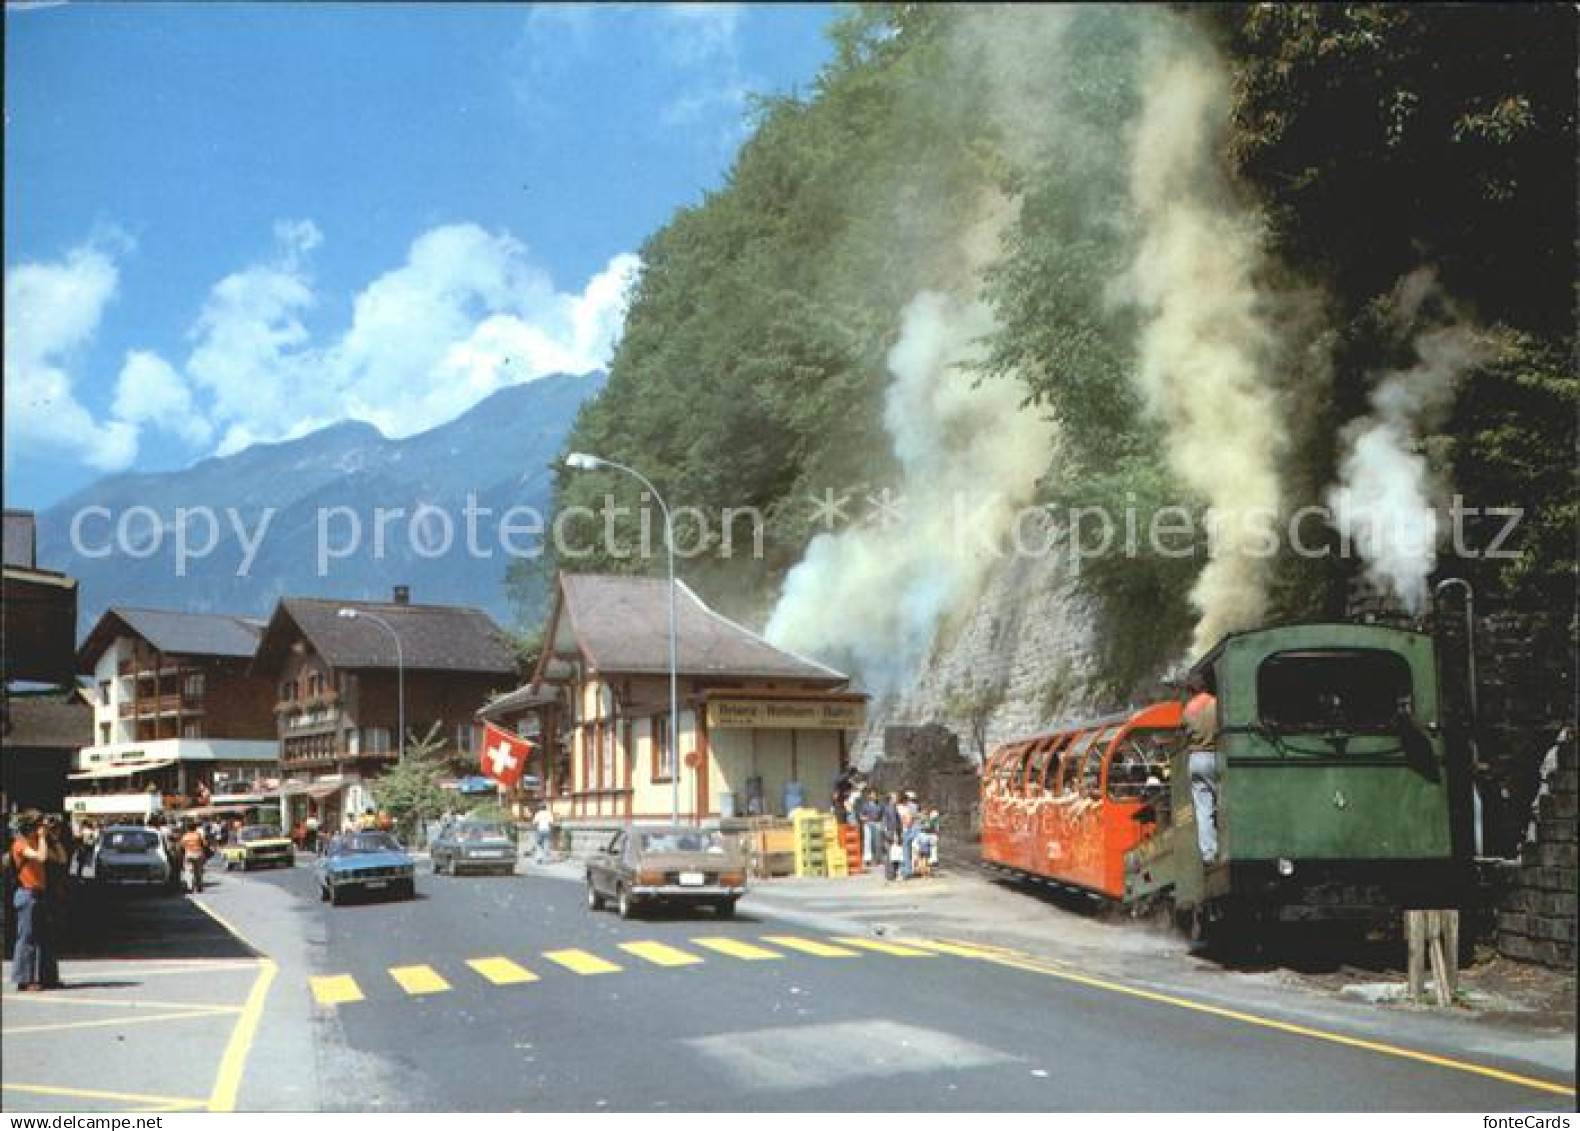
[365, 862]
[480, 846]
[671, 865]
[131, 854]
[259, 846]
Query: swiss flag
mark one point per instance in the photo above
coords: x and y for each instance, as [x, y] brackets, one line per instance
[504, 755]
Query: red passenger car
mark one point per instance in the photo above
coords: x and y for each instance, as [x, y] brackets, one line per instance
[1064, 805]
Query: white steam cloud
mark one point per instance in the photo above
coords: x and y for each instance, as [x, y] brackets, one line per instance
[1383, 502]
[874, 596]
[1205, 343]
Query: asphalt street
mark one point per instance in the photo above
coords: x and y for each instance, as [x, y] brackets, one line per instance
[507, 993]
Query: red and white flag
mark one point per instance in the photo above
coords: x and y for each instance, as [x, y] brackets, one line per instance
[504, 755]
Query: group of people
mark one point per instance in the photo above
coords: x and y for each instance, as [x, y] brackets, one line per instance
[898, 833]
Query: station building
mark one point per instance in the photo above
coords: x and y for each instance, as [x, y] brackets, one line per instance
[760, 729]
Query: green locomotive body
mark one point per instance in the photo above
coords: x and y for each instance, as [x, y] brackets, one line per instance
[1334, 786]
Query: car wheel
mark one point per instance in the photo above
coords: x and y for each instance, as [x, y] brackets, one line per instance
[408, 890]
[594, 900]
[726, 909]
[335, 897]
[626, 905]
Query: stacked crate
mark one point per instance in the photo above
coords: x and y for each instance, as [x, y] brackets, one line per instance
[811, 843]
[850, 840]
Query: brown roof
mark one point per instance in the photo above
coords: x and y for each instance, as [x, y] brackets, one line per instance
[172, 632]
[48, 722]
[440, 638]
[621, 625]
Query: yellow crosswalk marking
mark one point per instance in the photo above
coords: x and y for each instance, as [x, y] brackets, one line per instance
[335, 989]
[960, 950]
[660, 954]
[810, 946]
[501, 971]
[580, 962]
[419, 979]
[887, 948]
[735, 948]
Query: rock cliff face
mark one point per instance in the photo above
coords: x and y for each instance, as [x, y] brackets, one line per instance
[1019, 661]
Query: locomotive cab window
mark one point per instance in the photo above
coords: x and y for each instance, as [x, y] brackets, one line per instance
[1337, 690]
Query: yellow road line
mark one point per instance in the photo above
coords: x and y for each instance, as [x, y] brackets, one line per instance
[419, 979]
[335, 989]
[580, 962]
[660, 954]
[106, 1022]
[234, 1063]
[120, 1003]
[959, 950]
[811, 946]
[735, 948]
[501, 971]
[887, 948]
[175, 1103]
[1379, 1047]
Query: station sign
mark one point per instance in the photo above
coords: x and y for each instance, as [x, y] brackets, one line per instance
[787, 714]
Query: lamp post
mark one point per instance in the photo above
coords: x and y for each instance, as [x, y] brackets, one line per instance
[581, 461]
[400, 675]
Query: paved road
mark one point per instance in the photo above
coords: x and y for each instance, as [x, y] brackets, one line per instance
[494, 993]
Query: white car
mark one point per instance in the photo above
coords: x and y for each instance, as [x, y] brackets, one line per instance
[130, 854]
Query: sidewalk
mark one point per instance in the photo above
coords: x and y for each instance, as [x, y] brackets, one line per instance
[159, 1005]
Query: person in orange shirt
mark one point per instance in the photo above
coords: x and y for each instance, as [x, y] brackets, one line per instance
[33, 850]
[1201, 730]
[194, 851]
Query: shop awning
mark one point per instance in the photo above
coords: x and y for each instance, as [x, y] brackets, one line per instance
[318, 791]
[124, 770]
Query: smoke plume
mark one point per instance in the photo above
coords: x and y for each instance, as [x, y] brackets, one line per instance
[1205, 344]
[1383, 502]
[872, 597]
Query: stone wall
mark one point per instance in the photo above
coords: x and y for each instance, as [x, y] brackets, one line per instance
[927, 759]
[1024, 650]
[1536, 919]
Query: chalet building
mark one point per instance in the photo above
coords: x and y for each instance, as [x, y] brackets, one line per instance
[177, 715]
[760, 728]
[38, 639]
[336, 675]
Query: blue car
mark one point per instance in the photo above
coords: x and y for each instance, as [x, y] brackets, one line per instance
[365, 862]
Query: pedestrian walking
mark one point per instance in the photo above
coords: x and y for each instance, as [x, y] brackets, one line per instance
[543, 831]
[33, 963]
[871, 814]
[892, 829]
[909, 828]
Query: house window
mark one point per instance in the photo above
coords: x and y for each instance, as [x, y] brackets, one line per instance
[288, 691]
[606, 772]
[104, 692]
[663, 750]
[191, 730]
[192, 685]
[465, 738]
[376, 740]
[104, 734]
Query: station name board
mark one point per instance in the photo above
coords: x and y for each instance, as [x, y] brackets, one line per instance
[787, 714]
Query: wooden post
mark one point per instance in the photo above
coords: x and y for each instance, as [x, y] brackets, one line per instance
[1433, 936]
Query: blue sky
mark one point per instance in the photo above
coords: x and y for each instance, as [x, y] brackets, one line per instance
[230, 223]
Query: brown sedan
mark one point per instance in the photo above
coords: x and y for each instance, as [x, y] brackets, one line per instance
[679, 865]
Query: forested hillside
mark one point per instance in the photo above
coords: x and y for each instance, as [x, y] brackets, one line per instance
[1247, 254]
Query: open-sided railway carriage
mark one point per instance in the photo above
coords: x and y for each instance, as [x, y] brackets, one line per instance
[1333, 788]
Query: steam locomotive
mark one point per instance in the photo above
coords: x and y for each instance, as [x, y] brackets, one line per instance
[1335, 791]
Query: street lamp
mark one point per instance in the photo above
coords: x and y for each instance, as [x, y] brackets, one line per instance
[581, 461]
[400, 675]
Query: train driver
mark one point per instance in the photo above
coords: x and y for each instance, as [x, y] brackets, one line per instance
[1201, 730]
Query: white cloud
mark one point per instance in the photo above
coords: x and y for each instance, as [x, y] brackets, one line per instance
[467, 313]
[150, 391]
[52, 311]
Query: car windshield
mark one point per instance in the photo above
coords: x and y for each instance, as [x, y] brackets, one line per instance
[363, 843]
[682, 841]
[258, 832]
[131, 840]
[472, 832]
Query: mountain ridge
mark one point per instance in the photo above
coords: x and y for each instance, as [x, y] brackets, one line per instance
[297, 491]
